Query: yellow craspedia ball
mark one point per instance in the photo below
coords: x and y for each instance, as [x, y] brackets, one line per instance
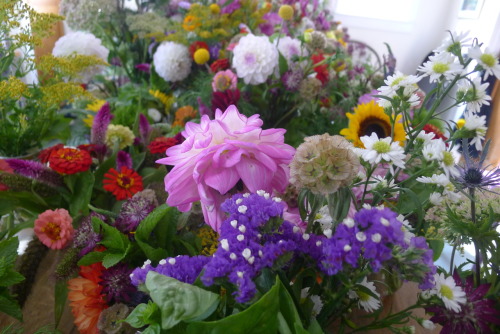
[214, 8]
[201, 56]
[460, 123]
[286, 12]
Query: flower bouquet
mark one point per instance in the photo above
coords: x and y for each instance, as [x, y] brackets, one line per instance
[219, 224]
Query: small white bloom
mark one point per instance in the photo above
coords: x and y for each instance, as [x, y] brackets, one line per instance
[239, 274]
[366, 301]
[242, 209]
[224, 244]
[246, 195]
[427, 324]
[397, 81]
[376, 237]
[242, 228]
[487, 60]
[473, 93]
[246, 253]
[290, 47]
[478, 124]
[378, 150]
[323, 218]
[349, 222]
[240, 237]
[234, 223]
[317, 303]
[232, 256]
[172, 61]
[305, 236]
[277, 199]
[318, 243]
[439, 179]
[455, 40]
[154, 114]
[384, 221]
[328, 233]
[255, 59]
[296, 229]
[451, 294]
[436, 198]
[261, 192]
[238, 201]
[449, 162]
[425, 137]
[347, 248]
[171, 261]
[163, 262]
[441, 64]
[434, 150]
[361, 236]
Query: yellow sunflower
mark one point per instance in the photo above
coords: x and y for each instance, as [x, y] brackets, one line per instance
[368, 118]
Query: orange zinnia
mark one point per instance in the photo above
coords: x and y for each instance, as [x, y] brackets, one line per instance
[86, 300]
[190, 23]
[184, 114]
[123, 184]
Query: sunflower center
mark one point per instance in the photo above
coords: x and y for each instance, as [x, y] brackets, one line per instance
[125, 181]
[446, 292]
[440, 68]
[448, 159]
[473, 176]
[373, 124]
[52, 230]
[381, 147]
[488, 60]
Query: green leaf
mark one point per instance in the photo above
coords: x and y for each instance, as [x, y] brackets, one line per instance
[110, 259]
[82, 193]
[90, 258]
[112, 239]
[8, 250]
[179, 301]
[283, 64]
[10, 307]
[437, 248]
[10, 277]
[289, 311]
[60, 297]
[144, 314]
[260, 317]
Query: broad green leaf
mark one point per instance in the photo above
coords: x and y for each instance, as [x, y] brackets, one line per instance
[8, 250]
[260, 317]
[60, 298]
[289, 311]
[283, 64]
[10, 277]
[437, 248]
[9, 306]
[144, 314]
[91, 258]
[112, 239]
[179, 301]
[110, 259]
[81, 194]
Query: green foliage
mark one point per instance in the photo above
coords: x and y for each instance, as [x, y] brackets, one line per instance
[9, 277]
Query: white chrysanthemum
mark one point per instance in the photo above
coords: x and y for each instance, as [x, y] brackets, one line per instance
[290, 47]
[323, 218]
[425, 137]
[172, 61]
[377, 150]
[439, 179]
[473, 93]
[487, 60]
[434, 150]
[366, 301]
[441, 64]
[435, 198]
[477, 124]
[454, 41]
[398, 80]
[82, 43]
[451, 294]
[254, 59]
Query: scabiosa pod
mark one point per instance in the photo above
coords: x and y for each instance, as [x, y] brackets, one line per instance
[221, 153]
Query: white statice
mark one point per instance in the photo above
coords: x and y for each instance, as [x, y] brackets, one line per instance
[82, 43]
[394, 83]
[451, 294]
[172, 61]
[290, 47]
[366, 301]
[478, 124]
[441, 64]
[487, 60]
[381, 150]
[254, 59]
[473, 93]
[456, 41]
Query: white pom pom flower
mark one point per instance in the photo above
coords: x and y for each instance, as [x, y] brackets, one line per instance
[255, 59]
[172, 61]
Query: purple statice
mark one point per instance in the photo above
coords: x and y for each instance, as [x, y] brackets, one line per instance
[144, 129]
[144, 67]
[116, 283]
[99, 128]
[123, 159]
[85, 238]
[135, 209]
[35, 170]
[478, 315]
[214, 50]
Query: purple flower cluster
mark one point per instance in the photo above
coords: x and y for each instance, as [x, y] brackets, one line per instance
[35, 170]
[85, 237]
[135, 210]
[117, 285]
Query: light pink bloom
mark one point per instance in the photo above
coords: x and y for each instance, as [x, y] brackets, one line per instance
[218, 154]
[54, 229]
[224, 80]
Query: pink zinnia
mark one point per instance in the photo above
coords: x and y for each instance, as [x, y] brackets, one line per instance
[224, 80]
[222, 156]
[54, 228]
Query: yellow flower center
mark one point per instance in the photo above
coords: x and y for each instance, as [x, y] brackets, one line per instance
[440, 68]
[460, 123]
[397, 81]
[446, 292]
[488, 60]
[448, 159]
[381, 147]
[124, 181]
[53, 231]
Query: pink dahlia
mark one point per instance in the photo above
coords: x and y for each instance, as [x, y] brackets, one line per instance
[54, 228]
[219, 157]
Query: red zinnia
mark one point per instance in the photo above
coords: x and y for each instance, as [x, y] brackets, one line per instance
[429, 128]
[321, 70]
[68, 160]
[44, 155]
[197, 45]
[123, 184]
[222, 100]
[161, 144]
[220, 65]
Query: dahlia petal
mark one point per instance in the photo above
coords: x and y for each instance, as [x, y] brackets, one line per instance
[221, 180]
[254, 175]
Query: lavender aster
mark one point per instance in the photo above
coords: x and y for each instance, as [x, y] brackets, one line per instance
[35, 170]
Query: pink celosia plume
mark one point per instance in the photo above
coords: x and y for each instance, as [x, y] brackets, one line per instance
[222, 154]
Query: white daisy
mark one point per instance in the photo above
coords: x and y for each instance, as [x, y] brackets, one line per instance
[449, 162]
[477, 124]
[473, 93]
[487, 60]
[451, 294]
[407, 229]
[439, 179]
[434, 150]
[366, 301]
[454, 42]
[316, 300]
[425, 137]
[435, 198]
[377, 150]
[441, 64]
[323, 218]
[394, 83]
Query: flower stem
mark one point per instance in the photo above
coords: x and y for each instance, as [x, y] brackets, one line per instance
[476, 248]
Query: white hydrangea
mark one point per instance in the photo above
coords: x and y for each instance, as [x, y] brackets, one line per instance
[172, 61]
[255, 59]
[82, 43]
